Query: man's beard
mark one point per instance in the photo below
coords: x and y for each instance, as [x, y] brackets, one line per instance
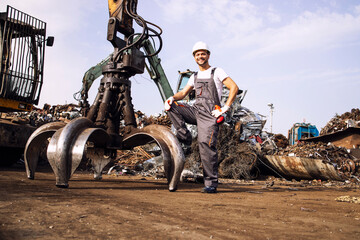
[202, 64]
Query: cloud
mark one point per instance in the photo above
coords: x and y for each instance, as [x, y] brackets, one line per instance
[272, 16]
[232, 18]
[63, 16]
[309, 30]
[214, 15]
[177, 10]
[357, 9]
[260, 30]
[331, 77]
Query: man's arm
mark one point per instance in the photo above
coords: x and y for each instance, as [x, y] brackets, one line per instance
[183, 93]
[231, 85]
[178, 96]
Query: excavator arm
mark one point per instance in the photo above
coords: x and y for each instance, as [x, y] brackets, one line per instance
[152, 65]
[121, 15]
[156, 71]
[88, 79]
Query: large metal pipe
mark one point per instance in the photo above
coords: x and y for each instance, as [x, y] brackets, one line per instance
[303, 168]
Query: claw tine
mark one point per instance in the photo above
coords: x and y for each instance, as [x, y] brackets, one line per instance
[35, 143]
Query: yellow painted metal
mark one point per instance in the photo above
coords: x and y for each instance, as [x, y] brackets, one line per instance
[12, 105]
[114, 7]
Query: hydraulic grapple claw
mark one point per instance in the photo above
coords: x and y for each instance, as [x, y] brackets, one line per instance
[68, 147]
[171, 151]
[36, 143]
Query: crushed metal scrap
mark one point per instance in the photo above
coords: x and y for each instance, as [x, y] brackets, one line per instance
[38, 117]
[243, 147]
[319, 150]
[312, 158]
[245, 159]
[237, 159]
[160, 119]
[341, 122]
[309, 160]
[281, 141]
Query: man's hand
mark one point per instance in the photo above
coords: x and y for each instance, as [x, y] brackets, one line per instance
[168, 103]
[220, 111]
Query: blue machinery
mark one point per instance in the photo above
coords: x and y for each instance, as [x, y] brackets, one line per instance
[301, 131]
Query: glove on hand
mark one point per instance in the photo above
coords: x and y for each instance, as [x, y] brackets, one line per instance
[168, 103]
[218, 112]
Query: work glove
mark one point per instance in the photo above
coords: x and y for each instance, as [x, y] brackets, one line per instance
[168, 103]
[220, 111]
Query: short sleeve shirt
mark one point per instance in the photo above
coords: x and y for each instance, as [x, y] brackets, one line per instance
[219, 77]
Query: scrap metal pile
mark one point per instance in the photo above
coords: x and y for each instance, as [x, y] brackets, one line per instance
[237, 159]
[281, 141]
[160, 119]
[38, 117]
[341, 122]
[346, 164]
[318, 150]
[248, 123]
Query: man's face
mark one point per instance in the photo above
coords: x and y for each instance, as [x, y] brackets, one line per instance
[202, 57]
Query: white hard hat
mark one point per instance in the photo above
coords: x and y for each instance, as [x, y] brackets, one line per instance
[200, 46]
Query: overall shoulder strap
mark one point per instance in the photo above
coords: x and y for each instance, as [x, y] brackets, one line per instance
[195, 76]
[212, 72]
[215, 93]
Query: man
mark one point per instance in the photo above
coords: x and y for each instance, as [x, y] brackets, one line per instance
[208, 84]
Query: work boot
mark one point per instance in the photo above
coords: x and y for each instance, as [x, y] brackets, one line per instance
[187, 141]
[209, 190]
[186, 148]
[186, 144]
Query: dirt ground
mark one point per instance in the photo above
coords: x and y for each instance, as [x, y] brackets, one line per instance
[133, 207]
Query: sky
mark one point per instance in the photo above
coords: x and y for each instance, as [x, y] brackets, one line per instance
[302, 56]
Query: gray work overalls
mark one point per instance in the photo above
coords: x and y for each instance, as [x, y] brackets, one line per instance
[200, 115]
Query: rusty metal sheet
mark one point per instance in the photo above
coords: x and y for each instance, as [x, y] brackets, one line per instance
[348, 138]
[303, 168]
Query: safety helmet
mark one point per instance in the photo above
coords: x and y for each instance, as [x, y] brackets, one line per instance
[200, 46]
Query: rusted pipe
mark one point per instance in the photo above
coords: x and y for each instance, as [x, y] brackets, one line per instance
[303, 168]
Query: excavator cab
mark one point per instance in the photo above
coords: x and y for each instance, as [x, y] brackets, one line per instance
[22, 49]
[183, 80]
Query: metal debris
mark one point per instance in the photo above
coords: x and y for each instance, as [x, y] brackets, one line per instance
[316, 160]
[281, 141]
[341, 122]
[236, 159]
[39, 117]
[325, 151]
[251, 124]
[240, 145]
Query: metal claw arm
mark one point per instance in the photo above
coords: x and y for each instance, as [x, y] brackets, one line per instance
[97, 136]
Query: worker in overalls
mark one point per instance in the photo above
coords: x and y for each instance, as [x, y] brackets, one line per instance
[208, 83]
